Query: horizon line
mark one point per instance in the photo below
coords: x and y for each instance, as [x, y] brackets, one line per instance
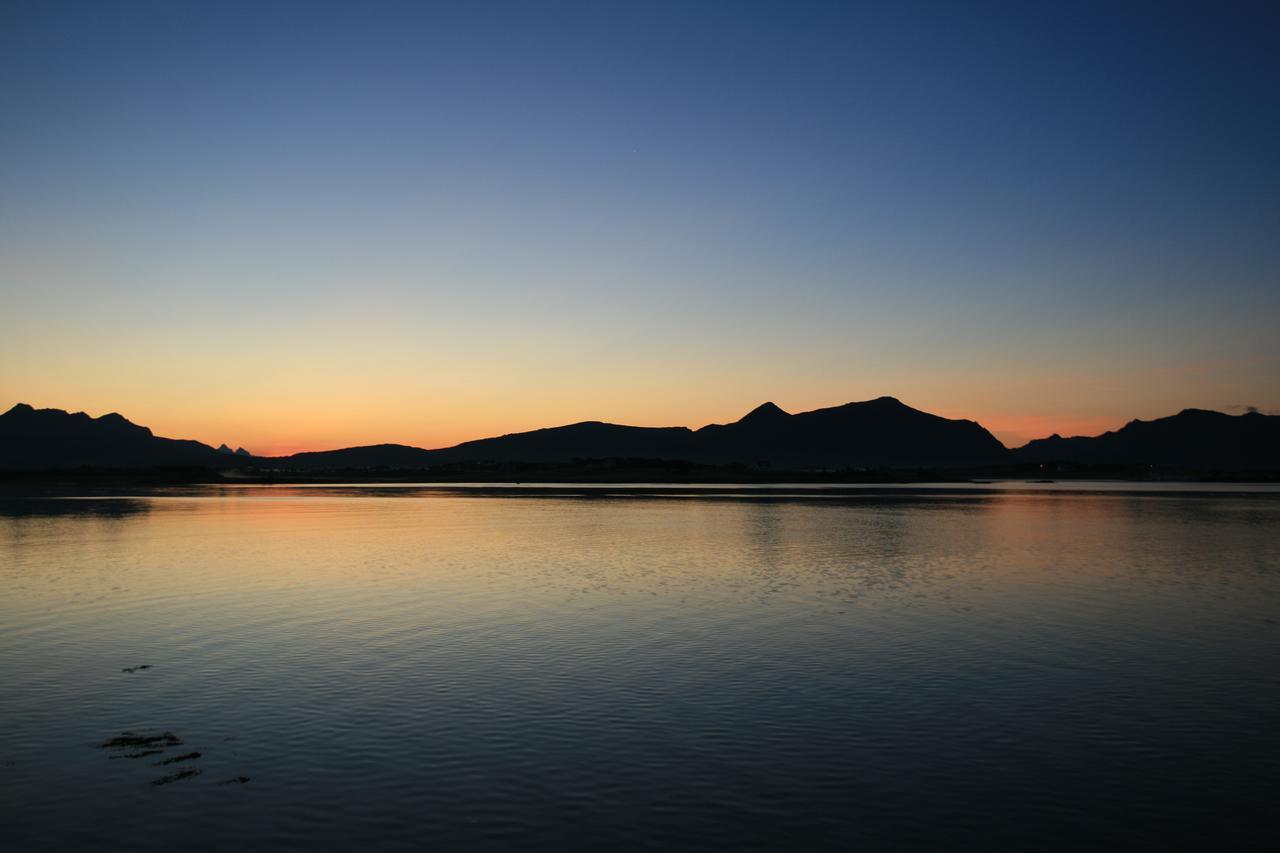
[883, 397]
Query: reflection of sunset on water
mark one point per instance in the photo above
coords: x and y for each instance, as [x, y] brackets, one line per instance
[364, 651]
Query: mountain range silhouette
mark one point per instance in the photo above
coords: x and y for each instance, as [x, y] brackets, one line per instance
[882, 433]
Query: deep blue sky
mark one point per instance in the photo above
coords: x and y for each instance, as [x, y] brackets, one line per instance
[311, 224]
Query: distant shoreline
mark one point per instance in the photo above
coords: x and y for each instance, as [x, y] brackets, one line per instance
[604, 474]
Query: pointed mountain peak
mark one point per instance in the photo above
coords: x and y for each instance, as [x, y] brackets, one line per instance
[20, 409]
[222, 448]
[240, 451]
[763, 412]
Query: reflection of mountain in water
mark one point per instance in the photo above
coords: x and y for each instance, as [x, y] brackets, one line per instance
[81, 507]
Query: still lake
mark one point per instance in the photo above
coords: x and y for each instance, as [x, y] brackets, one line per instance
[402, 667]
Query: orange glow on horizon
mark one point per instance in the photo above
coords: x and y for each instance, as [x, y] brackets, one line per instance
[1017, 430]
[287, 436]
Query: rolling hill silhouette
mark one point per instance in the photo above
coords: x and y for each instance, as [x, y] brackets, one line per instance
[1193, 438]
[875, 434]
[52, 438]
[880, 433]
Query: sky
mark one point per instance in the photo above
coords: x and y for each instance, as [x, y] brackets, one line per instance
[312, 225]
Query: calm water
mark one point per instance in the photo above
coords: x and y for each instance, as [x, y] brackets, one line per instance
[395, 668]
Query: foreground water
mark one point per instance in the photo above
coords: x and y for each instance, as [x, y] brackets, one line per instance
[400, 668]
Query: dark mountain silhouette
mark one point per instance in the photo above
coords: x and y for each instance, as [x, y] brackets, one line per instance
[51, 438]
[1193, 438]
[765, 413]
[368, 456]
[880, 433]
[587, 440]
[875, 434]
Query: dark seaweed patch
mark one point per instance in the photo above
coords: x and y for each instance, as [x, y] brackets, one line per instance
[142, 745]
[177, 777]
[143, 754]
[129, 739]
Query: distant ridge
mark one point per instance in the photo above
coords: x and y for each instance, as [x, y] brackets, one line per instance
[876, 433]
[883, 433]
[1193, 438]
[879, 433]
[52, 438]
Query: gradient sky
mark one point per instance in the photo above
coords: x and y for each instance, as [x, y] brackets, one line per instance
[298, 226]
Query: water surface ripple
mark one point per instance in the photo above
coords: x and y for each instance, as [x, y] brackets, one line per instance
[392, 668]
